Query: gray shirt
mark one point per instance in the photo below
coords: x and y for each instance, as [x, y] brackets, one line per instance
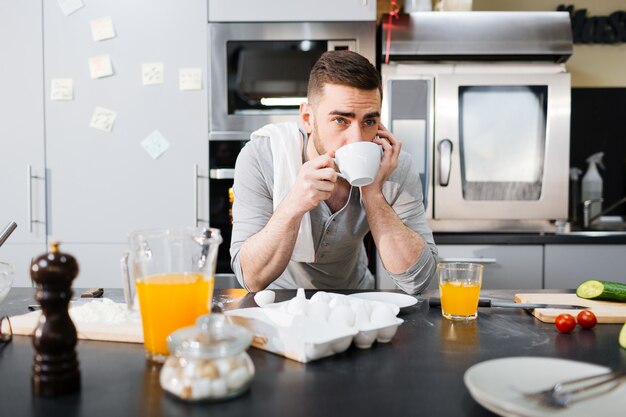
[340, 256]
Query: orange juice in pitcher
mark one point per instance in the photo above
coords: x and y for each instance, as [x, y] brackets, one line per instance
[170, 301]
[171, 272]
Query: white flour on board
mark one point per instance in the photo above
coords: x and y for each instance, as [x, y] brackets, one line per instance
[104, 311]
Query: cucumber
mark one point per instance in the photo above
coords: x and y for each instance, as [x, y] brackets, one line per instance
[622, 337]
[602, 290]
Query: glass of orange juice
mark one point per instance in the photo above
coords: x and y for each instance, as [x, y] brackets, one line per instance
[170, 274]
[459, 287]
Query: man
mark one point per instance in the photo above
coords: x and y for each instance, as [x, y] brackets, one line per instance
[344, 103]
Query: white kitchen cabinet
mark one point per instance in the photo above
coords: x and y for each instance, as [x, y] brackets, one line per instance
[510, 267]
[506, 266]
[22, 164]
[103, 185]
[566, 266]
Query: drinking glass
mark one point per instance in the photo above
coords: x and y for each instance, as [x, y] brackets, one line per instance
[172, 273]
[459, 287]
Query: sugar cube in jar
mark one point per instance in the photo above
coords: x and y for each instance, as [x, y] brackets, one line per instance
[208, 361]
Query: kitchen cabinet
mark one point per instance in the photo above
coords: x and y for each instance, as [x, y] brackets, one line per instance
[89, 188]
[22, 158]
[102, 185]
[566, 266]
[506, 266]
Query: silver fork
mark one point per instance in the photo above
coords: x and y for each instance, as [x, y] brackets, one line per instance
[565, 393]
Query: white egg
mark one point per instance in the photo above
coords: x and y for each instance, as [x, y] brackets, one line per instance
[300, 293]
[341, 314]
[382, 315]
[318, 310]
[321, 296]
[262, 298]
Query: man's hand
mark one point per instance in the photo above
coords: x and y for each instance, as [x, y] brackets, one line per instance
[315, 183]
[388, 163]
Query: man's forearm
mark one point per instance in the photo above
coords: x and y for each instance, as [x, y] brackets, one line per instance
[265, 255]
[399, 247]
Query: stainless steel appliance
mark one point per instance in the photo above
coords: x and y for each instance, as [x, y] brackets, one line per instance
[259, 64]
[482, 101]
[259, 71]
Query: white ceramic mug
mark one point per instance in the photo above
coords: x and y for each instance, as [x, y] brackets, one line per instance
[358, 162]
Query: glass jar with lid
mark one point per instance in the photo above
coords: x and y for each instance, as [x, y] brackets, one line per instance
[208, 361]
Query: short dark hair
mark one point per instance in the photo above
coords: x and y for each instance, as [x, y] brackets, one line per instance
[345, 68]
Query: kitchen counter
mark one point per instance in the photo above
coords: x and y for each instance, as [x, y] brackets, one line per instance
[419, 373]
[442, 238]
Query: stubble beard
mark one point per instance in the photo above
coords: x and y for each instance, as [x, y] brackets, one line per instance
[317, 143]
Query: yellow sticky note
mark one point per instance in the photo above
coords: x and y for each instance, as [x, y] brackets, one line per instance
[100, 66]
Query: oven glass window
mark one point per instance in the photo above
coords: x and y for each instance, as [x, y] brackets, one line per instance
[270, 76]
[502, 135]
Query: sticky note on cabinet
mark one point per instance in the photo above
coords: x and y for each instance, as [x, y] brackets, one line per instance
[70, 6]
[103, 119]
[61, 89]
[102, 29]
[152, 73]
[190, 79]
[155, 144]
[100, 66]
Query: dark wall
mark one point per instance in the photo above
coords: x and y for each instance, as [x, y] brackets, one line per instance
[599, 125]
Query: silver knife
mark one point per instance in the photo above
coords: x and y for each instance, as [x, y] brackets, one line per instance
[487, 302]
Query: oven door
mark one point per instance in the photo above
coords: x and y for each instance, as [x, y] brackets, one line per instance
[259, 71]
[501, 146]
[408, 114]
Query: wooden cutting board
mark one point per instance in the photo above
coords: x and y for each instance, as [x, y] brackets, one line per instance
[121, 332]
[605, 311]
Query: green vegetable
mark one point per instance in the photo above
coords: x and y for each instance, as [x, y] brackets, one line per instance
[602, 290]
[622, 337]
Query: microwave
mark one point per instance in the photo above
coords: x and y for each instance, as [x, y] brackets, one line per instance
[258, 72]
[490, 142]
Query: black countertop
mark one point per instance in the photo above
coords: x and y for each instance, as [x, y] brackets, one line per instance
[478, 238]
[419, 373]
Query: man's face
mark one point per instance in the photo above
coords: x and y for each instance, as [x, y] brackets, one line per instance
[342, 115]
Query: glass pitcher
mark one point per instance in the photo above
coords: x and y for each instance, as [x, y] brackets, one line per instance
[170, 273]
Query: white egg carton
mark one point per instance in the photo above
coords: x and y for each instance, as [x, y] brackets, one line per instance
[292, 333]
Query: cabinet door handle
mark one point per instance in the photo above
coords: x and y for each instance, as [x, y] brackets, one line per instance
[471, 260]
[196, 178]
[445, 161]
[29, 196]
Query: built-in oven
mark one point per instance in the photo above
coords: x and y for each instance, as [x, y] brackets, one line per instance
[259, 71]
[491, 143]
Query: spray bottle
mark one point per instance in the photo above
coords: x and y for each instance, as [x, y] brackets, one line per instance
[592, 184]
[574, 194]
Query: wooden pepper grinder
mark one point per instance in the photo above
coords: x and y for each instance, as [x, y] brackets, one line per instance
[55, 366]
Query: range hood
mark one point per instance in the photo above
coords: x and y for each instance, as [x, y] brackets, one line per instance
[536, 36]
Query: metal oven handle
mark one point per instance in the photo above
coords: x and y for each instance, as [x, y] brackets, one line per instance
[196, 178]
[471, 260]
[445, 162]
[222, 174]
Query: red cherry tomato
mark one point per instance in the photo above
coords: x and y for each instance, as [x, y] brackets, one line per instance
[586, 319]
[565, 323]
